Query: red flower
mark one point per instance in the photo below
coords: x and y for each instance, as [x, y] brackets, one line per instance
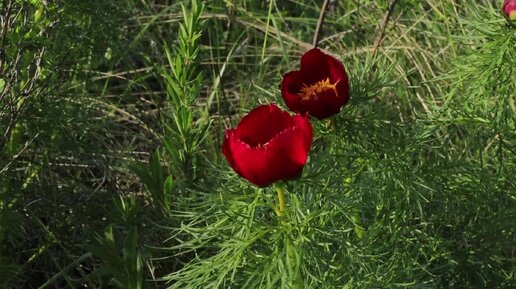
[509, 8]
[320, 87]
[268, 145]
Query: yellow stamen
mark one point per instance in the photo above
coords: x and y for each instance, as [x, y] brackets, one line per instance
[312, 91]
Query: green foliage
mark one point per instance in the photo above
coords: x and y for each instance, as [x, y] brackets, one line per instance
[123, 270]
[185, 126]
[409, 186]
[153, 177]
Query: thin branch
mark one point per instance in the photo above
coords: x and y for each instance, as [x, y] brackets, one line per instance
[19, 153]
[383, 26]
[320, 22]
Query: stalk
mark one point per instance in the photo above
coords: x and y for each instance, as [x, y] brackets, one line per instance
[320, 22]
[293, 258]
[280, 211]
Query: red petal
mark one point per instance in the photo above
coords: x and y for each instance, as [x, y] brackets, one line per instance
[326, 105]
[314, 66]
[306, 128]
[251, 164]
[343, 90]
[290, 87]
[226, 150]
[317, 65]
[261, 124]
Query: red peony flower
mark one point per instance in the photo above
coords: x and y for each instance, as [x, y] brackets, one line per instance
[320, 87]
[268, 145]
[509, 8]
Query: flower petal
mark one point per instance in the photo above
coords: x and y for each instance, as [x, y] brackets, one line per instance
[304, 124]
[261, 124]
[326, 105]
[336, 70]
[314, 66]
[226, 150]
[251, 164]
[290, 87]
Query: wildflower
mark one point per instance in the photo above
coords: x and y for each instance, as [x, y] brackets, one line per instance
[268, 145]
[320, 88]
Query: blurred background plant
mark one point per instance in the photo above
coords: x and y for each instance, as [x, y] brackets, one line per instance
[112, 115]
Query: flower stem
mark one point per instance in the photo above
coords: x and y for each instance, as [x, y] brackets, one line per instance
[280, 211]
[292, 256]
[293, 264]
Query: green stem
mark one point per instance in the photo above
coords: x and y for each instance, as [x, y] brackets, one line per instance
[281, 202]
[293, 264]
[292, 256]
[280, 209]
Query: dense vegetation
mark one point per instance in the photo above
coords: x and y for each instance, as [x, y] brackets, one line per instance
[112, 115]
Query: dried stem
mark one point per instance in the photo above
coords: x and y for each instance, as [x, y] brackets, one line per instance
[320, 22]
[383, 26]
[18, 154]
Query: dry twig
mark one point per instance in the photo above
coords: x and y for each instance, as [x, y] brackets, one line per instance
[320, 22]
[383, 26]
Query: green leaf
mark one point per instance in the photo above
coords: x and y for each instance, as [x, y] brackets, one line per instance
[169, 185]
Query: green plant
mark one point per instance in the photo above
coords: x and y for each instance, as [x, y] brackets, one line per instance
[125, 270]
[410, 185]
[185, 126]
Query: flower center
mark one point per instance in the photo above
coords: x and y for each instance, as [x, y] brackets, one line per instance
[260, 145]
[311, 91]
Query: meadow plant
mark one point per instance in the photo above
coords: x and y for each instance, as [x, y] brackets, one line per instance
[257, 144]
